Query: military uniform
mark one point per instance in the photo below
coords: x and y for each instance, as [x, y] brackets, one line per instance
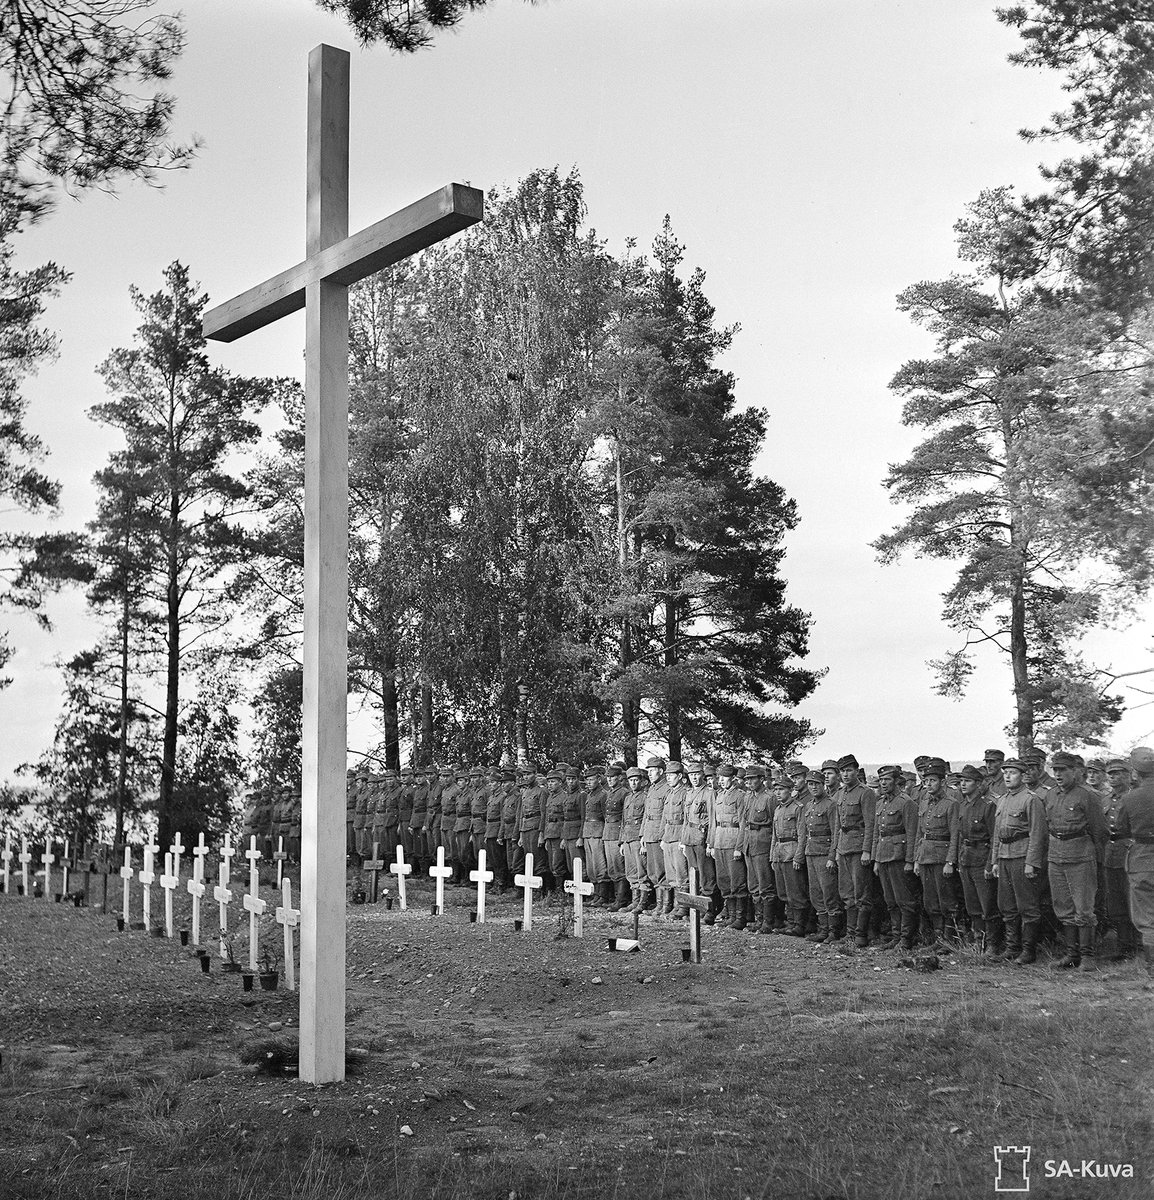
[350, 812]
[787, 868]
[511, 822]
[615, 790]
[697, 811]
[971, 855]
[937, 830]
[672, 828]
[1077, 835]
[1019, 844]
[360, 812]
[653, 826]
[633, 806]
[894, 842]
[414, 801]
[756, 845]
[1137, 822]
[853, 835]
[725, 838]
[1115, 883]
[593, 835]
[815, 852]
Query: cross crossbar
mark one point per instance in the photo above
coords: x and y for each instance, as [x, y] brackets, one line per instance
[415, 227]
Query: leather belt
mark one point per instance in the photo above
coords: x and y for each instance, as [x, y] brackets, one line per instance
[977, 841]
[1069, 837]
[1015, 837]
[934, 837]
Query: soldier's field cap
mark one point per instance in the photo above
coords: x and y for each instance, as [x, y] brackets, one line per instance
[795, 767]
[1064, 759]
[710, 771]
[1117, 764]
[555, 774]
[655, 761]
[1034, 755]
[783, 783]
[847, 762]
[527, 768]
[938, 767]
[830, 764]
[673, 767]
[1095, 764]
[617, 766]
[1142, 760]
[889, 772]
[635, 773]
[694, 768]
[968, 772]
[572, 772]
[814, 777]
[993, 755]
[756, 771]
[921, 761]
[593, 770]
[406, 770]
[728, 770]
[1013, 764]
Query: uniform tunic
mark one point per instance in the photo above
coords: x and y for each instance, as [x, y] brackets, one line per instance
[593, 833]
[937, 830]
[815, 849]
[1117, 885]
[1137, 822]
[530, 829]
[971, 853]
[894, 842]
[1019, 842]
[853, 835]
[672, 826]
[632, 818]
[614, 806]
[1077, 829]
[725, 838]
[511, 829]
[698, 812]
[787, 823]
[651, 830]
[757, 842]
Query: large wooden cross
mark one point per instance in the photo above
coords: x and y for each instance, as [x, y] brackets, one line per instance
[320, 286]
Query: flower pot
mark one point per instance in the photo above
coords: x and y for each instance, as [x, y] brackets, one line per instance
[58, 897]
[158, 932]
[184, 937]
[268, 980]
[205, 963]
[119, 924]
[246, 981]
[137, 925]
[473, 917]
[389, 903]
[77, 900]
[518, 925]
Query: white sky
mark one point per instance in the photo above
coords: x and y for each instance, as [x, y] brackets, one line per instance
[813, 155]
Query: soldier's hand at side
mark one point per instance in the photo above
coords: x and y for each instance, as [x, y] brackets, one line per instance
[917, 869]
[865, 860]
[911, 867]
[736, 854]
[829, 864]
[948, 869]
[993, 871]
[1030, 872]
[709, 851]
[876, 871]
[797, 866]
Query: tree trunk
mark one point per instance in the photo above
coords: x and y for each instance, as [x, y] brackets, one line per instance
[670, 659]
[521, 732]
[1024, 720]
[629, 707]
[389, 705]
[428, 749]
[164, 815]
[122, 749]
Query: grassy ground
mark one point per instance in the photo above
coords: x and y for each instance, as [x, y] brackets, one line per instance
[535, 1065]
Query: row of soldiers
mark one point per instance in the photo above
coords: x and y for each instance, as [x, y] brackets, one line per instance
[1005, 854]
[273, 817]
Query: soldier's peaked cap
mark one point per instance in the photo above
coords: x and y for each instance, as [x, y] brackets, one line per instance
[1095, 764]
[937, 766]
[655, 761]
[527, 768]
[973, 773]
[727, 770]
[673, 767]
[830, 764]
[1065, 759]
[756, 771]
[847, 762]
[694, 768]
[1035, 754]
[814, 777]
[921, 760]
[635, 773]
[889, 771]
[795, 767]
[1013, 764]
[555, 774]
[993, 755]
[1118, 764]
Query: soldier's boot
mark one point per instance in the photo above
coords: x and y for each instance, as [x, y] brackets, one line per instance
[640, 897]
[1013, 932]
[1127, 941]
[739, 921]
[667, 910]
[821, 933]
[620, 896]
[1086, 937]
[995, 937]
[797, 921]
[778, 910]
[751, 920]
[1072, 957]
[680, 911]
[907, 925]
[938, 924]
[861, 935]
[761, 909]
[725, 918]
[1029, 955]
[715, 903]
[837, 926]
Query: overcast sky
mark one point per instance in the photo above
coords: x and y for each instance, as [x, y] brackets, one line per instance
[813, 156]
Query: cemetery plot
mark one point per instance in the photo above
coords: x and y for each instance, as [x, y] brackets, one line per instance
[514, 1058]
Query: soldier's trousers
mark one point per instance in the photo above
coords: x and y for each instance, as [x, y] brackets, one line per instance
[853, 879]
[362, 836]
[558, 859]
[514, 857]
[1073, 888]
[463, 848]
[696, 858]
[731, 875]
[788, 880]
[633, 865]
[1140, 871]
[532, 843]
[572, 853]
[823, 892]
[898, 897]
[980, 894]
[595, 868]
[759, 875]
[1117, 906]
[937, 893]
[495, 860]
[655, 864]
[1017, 894]
[350, 838]
[676, 868]
[614, 863]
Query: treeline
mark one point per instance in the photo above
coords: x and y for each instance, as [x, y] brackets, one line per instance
[560, 545]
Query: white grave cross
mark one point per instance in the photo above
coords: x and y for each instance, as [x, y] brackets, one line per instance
[6, 861]
[64, 866]
[252, 902]
[578, 889]
[400, 869]
[481, 877]
[25, 864]
[289, 917]
[49, 859]
[320, 286]
[178, 850]
[200, 850]
[170, 880]
[126, 875]
[280, 856]
[146, 877]
[196, 890]
[440, 872]
[223, 897]
[530, 883]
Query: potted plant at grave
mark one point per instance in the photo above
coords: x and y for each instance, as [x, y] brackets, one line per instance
[229, 964]
[269, 964]
[158, 930]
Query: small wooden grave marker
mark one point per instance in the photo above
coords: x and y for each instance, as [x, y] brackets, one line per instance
[221, 893]
[696, 904]
[530, 883]
[440, 872]
[178, 850]
[200, 851]
[578, 889]
[196, 890]
[290, 918]
[279, 855]
[252, 902]
[6, 862]
[170, 880]
[48, 859]
[126, 874]
[25, 865]
[480, 877]
[400, 869]
[374, 866]
[65, 859]
[146, 877]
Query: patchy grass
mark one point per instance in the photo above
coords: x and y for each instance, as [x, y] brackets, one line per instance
[776, 1069]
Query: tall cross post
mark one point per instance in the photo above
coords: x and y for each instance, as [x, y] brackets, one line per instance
[375, 866]
[146, 876]
[126, 876]
[178, 850]
[170, 880]
[25, 865]
[6, 861]
[578, 889]
[400, 869]
[280, 856]
[440, 873]
[49, 859]
[196, 890]
[253, 904]
[65, 861]
[481, 876]
[530, 883]
[320, 285]
[289, 917]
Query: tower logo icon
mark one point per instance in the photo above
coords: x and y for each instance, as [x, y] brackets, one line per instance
[1013, 1168]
